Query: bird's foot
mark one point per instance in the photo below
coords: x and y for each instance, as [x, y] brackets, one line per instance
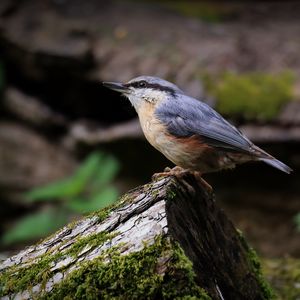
[176, 171]
[204, 183]
[180, 173]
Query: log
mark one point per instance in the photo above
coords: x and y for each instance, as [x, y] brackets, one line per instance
[167, 239]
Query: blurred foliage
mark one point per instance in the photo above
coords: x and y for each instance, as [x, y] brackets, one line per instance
[252, 96]
[206, 11]
[284, 276]
[34, 226]
[88, 189]
[297, 221]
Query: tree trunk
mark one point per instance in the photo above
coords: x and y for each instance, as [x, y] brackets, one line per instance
[165, 240]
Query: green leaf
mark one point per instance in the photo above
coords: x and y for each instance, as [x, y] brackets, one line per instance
[69, 187]
[87, 170]
[53, 191]
[108, 170]
[106, 197]
[34, 226]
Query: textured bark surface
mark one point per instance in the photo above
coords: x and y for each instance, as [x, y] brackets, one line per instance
[180, 213]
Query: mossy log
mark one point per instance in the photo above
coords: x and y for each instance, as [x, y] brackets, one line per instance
[165, 240]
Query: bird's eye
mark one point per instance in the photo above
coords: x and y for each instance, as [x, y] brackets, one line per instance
[142, 84]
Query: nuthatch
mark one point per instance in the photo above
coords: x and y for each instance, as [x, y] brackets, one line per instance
[187, 131]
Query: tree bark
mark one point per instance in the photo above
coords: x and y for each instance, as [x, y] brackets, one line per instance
[165, 240]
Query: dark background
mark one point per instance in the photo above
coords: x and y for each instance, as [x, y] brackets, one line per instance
[54, 110]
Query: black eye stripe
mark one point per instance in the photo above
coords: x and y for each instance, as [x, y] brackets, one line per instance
[154, 86]
[138, 84]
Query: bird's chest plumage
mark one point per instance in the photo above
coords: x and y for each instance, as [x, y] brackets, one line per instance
[186, 152]
[154, 131]
[157, 135]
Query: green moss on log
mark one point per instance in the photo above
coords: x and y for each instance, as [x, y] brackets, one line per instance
[16, 279]
[159, 271]
[252, 96]
[255, 264]
[125, 199]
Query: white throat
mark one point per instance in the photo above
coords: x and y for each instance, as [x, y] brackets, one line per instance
[146, 95]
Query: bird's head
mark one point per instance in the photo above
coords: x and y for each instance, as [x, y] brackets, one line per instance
[145, 89]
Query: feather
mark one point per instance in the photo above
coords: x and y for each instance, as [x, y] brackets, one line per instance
[186, 116]
[277, 164]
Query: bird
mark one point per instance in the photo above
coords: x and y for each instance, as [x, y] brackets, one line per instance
[190, 133]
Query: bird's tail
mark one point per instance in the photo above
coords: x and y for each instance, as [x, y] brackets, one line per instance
[277, 164]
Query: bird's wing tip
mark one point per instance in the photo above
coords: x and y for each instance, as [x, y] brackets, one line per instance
[277, 164]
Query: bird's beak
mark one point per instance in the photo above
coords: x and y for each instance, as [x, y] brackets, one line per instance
[115, 86]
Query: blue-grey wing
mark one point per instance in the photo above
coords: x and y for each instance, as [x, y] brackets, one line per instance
[186, 116]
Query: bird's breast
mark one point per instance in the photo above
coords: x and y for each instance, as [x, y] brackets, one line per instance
[154, 130]
[176, 150]
[186, 152]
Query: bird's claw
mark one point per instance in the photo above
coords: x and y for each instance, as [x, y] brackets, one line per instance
[179, 173]
[204, 183]
[176, 172]
[169, 172]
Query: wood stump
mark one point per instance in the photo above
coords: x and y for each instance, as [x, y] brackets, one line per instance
[164, 240]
